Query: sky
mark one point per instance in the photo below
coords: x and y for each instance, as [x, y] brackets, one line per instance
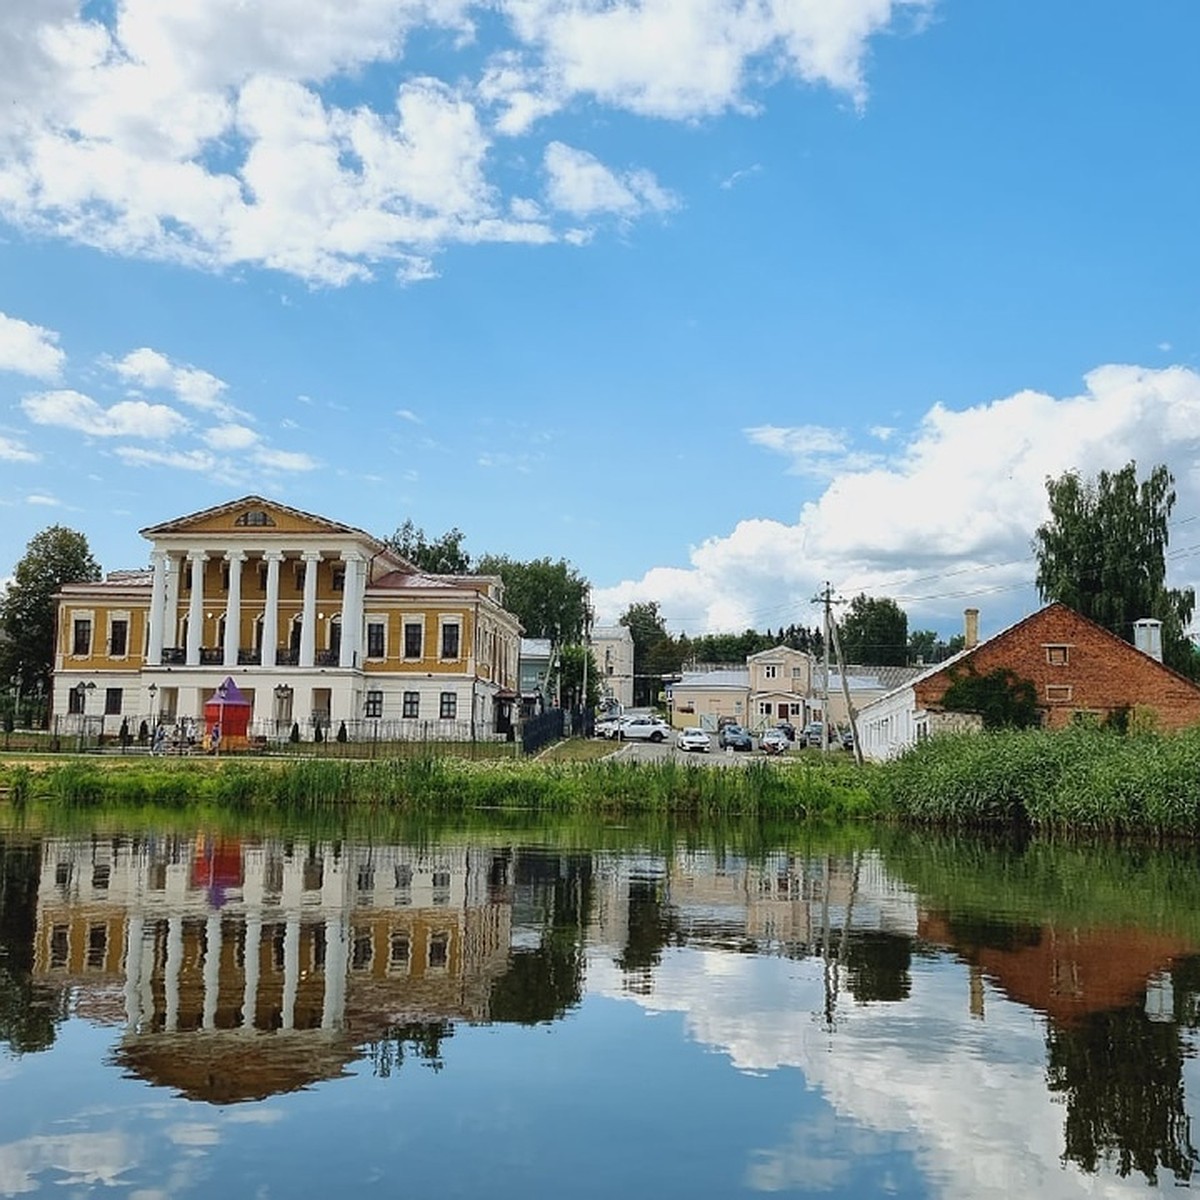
[718, 300]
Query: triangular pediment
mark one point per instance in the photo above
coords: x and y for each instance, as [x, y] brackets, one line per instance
[253, 515]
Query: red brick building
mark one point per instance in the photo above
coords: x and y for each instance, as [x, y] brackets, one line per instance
[1076, 666]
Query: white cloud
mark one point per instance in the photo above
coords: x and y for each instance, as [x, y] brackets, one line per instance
[580, 184]
[947, 520]
[68, 409]
[29, 349]
[205, 134]
[178, 460]
[406, 414]
[231, 437]
[285, 460]
[38, 500]
[194, 387]
[13, 451]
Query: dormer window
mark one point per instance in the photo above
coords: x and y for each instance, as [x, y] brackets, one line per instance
[1058, 656]
[254, 517]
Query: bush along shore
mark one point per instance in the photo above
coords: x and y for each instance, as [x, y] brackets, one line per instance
[1077, 779]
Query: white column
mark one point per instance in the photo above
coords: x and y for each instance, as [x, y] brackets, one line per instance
[233, 607]
[250, 968]
[171, 616]
[291, 971]
[158, 598]
[196, 561]
[308, 630]
[270, 631]
[212, 969]
[133, 970]
[172, 971]
[337, 960]
[352, 611]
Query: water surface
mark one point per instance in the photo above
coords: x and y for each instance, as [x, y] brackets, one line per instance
[520, 1013]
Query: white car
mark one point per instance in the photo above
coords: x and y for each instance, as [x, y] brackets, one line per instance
[693, 739]
[607, 727]
[643, 729]
[774, 741]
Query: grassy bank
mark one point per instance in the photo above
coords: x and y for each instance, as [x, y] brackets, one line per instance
[758, 789]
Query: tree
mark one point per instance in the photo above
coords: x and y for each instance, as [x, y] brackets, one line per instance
[875, 632]
[54, 557]
[549, 598]
[1001, 697]
[925, 646]
[571, 667]
[1103, 553]
[647, 628]
[438, 556]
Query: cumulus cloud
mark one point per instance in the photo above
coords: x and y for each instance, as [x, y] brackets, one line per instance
[208, 135]
[68, 409]
[12, 450]
[285, 460]
[199, 389]
[29, 349]
[578, 183]
[945, 520]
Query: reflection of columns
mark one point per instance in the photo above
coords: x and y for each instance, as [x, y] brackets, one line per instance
[250, 961]
[270, 629]
[291, 971]
[212, 969]
[172, 970]
[975, 1004]
[337, 958]
[196, 561]
[353, 589]
[171, 617]
[146, 979]
[133, 969]
[308, 630]
[158, 598]
[233, 607]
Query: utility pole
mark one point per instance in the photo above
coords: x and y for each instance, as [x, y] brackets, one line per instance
[829, 636]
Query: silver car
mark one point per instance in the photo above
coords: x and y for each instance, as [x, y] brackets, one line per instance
[643, 729]
[693, 739]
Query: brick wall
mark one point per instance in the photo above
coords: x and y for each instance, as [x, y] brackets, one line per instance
[1077, 666]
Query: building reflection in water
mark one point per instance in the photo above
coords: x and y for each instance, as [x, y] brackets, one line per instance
[241, 969]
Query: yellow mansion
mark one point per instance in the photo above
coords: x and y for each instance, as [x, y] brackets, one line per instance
[315, 622]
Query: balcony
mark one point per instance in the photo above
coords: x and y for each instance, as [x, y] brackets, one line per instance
[249, 658]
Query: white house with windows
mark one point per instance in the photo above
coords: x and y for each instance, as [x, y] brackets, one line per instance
[612, 652]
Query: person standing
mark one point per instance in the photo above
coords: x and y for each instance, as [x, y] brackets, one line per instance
[214, 739]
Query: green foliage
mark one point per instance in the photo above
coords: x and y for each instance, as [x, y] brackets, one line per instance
[549, 598]
[925, 646]
[1002, 698]
[1103, 553]
[875, 632]
[439, 556]
[54, 557]
[648, 630]
[571, 662]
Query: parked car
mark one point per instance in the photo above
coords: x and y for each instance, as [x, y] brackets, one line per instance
[814, 733]
[694, 739]
[774, 741]
[788, 728]
[643, 729]
[734, 737]
[847, 737]
[607, 727]
[723, 721]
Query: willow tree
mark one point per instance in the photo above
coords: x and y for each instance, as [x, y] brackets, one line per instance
[1103, 552]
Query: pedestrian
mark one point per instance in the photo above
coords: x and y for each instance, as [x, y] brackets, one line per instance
[214, 739]
[159, 741]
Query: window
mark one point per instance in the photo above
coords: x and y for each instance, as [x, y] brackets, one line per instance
[375, 642]
[398, 950]
[74, 702]
[118, 641]
[449, 708]
[450, 634]
[339, 579]
[374, 704]
[101, 873]
[112, 702]
[254, 516]
[764, 708]
[225, 577]
[82, 639]
[97, 947]
[1057, 656]
[797, 672]
[412, 639]
[60, 946]
[1058, 692]
[412, 704]
[770, 671]
[361, 949]
[439, 950]
[300, 577]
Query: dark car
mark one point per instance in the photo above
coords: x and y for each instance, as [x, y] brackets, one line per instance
[788, 730]
[734, 737]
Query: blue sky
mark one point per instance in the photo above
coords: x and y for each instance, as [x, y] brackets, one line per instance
[716, 299]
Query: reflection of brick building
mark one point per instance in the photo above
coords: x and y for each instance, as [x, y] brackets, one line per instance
[197, 947]
[1065, 973]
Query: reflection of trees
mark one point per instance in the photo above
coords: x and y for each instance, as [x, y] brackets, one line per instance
[422, 1038]
[543, 983]
[877, 966]
[652, 923]
[1121, 1074]
[28, 1013]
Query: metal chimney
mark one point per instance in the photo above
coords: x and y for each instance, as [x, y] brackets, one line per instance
[1147, 637]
